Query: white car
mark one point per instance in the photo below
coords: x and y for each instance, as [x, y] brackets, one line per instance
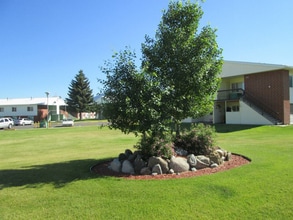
[67, 122]
[5, 123]
[23, 121]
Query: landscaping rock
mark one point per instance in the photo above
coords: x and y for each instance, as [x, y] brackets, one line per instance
[127, 167]
[138, 164]
[215, 157]
[171, 171]
[228, 156]
[202, 162]
[220, 152]
[203, 159]
[115, 165]
[122, 157]
[191, 159]
[158, 160]
[128, 152]
[179, 164]
[214, 165]
[201, 165]
[145, 171]
[157, 169]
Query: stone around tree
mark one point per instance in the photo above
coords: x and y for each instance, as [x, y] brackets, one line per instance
[127, 167]
[158, 160]
[145, 171]
[115, 165]
[179, 164]
[191, 159]
[138, 164]
[157, 169]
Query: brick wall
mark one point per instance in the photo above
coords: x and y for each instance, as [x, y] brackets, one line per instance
[272, 90]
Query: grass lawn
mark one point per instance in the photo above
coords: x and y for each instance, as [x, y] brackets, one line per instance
[44, 174]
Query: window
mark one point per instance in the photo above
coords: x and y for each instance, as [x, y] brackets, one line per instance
[233, 107]
[1, 109]
[30, 109]
[236, 86]
[14, 109]
[291, 81]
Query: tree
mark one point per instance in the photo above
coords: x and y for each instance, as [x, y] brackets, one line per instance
[178, 79]
[80, 96]
[185, 62]
[131, 100]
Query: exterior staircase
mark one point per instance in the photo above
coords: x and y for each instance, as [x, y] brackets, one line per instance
[265, 112]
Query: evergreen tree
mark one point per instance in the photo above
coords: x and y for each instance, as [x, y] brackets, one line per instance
[80, 96]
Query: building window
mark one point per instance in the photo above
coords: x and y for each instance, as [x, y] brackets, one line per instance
[30, 109]
[1, 109]
[291, 81]
[233, 107]
[13, 109]
[236, 86]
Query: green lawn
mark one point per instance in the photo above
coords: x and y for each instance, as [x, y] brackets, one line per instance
[44, 174]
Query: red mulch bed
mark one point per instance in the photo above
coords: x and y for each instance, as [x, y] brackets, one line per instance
[235, 161]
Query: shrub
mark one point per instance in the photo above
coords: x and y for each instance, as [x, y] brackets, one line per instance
[198, 140]
[156, 146]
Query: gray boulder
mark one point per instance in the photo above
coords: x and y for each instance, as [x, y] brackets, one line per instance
[145, 171]
[128, 152]
[138, 164]
[214, 165]
[179, 164]
[157, 169]
[203, 159]
[122, 157]
[202, 162]
[115, 165]
[191, 159]
[158, 160]
[127, 167]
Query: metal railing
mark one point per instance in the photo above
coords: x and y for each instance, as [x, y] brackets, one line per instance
[261, 107]
[230, 94]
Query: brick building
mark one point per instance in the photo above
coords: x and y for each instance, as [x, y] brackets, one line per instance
[254, 93]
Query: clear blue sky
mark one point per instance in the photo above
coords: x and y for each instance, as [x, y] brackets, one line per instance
[44, 43]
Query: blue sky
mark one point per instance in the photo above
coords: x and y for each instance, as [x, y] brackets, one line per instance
[44, 43]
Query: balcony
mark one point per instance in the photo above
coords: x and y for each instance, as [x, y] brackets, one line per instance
[230, 94]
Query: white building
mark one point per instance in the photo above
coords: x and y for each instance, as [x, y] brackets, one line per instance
[33, 108]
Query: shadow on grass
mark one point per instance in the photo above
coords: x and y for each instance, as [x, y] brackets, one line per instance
[221, 128]
[224, 128]
[57, 174]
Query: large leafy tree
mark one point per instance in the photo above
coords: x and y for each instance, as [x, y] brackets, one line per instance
[186, 61]
[178, 79]
[80, 96]
[132, 104]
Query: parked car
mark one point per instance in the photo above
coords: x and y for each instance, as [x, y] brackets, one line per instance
[11, 120]
[5, 123]
[23, 121]
[67, 122]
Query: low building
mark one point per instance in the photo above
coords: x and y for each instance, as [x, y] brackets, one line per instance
[36, 109]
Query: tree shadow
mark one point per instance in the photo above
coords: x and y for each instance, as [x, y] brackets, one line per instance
[57, 174]
[226, 128]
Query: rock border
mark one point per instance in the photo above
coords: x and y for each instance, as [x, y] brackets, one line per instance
[237, 160]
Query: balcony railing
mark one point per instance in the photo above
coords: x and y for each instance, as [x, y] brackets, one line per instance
[230, 94]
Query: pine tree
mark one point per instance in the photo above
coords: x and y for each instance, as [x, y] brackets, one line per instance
[80, 96]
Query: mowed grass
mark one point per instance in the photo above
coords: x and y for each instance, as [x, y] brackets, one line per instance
[45, 174]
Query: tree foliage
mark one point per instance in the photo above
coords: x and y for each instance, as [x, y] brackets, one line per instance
[178, 79]
[186, 62]
[80, 96]
[132, 103]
